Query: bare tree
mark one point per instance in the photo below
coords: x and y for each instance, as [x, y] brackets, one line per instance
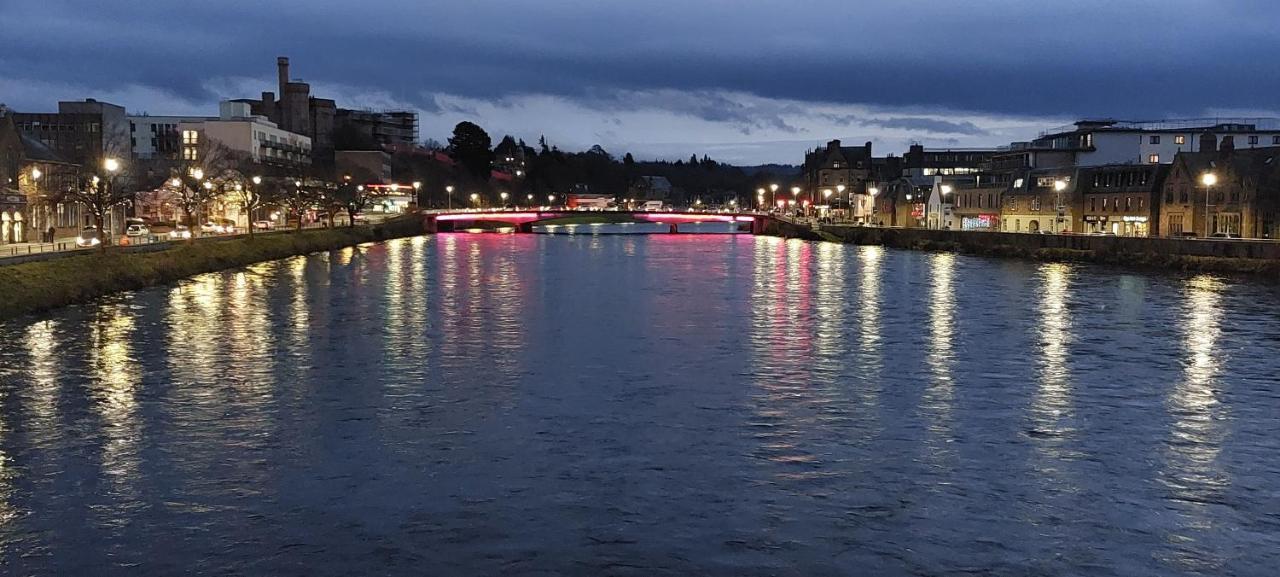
[101, 194]
[297, 197]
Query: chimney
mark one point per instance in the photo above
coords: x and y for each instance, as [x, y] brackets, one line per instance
[868, 147]
[1228, 145]
[282, 64]
[834, 144]
[1208, 142]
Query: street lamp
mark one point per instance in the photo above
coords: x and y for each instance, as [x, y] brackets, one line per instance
[257, 180]
[448, 191]
[551, 198]
[530, 198]
[873, 191]
[197, 174]
[1208, 179]
[417, 194]
[503, 196]
[1059, 185]
[475, 198]
[111, 164]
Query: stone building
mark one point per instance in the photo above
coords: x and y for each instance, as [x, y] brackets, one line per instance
[1120, 199]
[299, 112]
[1242, 197]
[1040, 200]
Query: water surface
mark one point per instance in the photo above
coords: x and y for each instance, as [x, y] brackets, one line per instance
[646, 405]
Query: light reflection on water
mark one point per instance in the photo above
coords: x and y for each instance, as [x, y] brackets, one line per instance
[726, 405]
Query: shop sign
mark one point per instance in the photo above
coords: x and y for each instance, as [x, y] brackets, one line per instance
[1135, 219]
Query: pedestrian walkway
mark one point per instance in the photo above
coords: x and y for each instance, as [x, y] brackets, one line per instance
[25, 248]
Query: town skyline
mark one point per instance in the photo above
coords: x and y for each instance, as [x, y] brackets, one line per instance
[760, 85]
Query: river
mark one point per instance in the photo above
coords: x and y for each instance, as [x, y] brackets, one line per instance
[483, 404]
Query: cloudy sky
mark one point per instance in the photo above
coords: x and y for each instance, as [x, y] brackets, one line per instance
[747, 81]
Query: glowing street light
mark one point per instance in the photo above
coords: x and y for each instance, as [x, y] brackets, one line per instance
[503, 196]
[175, 183]
[448, 191]
[1208, 179]
[197, 174]
[36, 174]
[551, 198]
[257, 180]
[111, 164]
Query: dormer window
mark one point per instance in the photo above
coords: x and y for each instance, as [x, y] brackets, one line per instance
[836, 165]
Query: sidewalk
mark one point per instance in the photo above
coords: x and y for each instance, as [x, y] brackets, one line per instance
[24, 248]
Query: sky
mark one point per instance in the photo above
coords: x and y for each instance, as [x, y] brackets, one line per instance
[744, 81]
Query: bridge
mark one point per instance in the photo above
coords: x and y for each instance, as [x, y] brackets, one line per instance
[524, 220]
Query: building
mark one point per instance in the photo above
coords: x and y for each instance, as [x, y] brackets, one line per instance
[1106, 142]
[369, 130]
[153, 137]
[258, 138]
[976, 204]
[72, 143]
[902, 202]
[1120, 199]
[508, 158]
[847, 172]
[1040, 200]
[1240, 197]
[298, 112]
[83, 132]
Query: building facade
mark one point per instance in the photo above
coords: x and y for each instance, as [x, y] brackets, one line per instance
[1040, 201]
[1242, 197]
[240, 131]
[153, 137]
[298, 112]
[1120, 199]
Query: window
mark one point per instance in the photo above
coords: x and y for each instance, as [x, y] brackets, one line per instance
[1154, 159]
[1104, 203]
[189, 153]
[1128, 203]
[1253, 139]
[1275, 140]
[1155, 139]
[1093, 204]
[1179, 139]
[190, 137]
[1035, 203]
[1141, 202]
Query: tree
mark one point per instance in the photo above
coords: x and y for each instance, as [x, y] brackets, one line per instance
[471, 147]
[352, 198]
[252, 194]
[297, 198]
[100, 194]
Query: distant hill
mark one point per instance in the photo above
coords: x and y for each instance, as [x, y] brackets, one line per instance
[774, 169]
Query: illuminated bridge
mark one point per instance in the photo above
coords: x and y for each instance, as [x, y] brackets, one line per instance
[525, 220]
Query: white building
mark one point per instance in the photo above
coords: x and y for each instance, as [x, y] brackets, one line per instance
[1109, 142]
[157, 136]
[240, 131]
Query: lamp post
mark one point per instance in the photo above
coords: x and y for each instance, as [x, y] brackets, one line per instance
[417, 192]
[112, 166]
[826, 196]
[1208, 179]
[760, 198]
[795, 195]
[946, 189]
[1059, 185]
[475, 199]
[551, 199]
[504, 197]
[35, 185]
[530, 198]
[448, 191]
[773, 192]
[873, 191]
[848, 199]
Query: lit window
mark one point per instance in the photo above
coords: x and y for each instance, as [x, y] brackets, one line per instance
[188, 153]
[1154, 159]
[1180, 139]
[190, 137]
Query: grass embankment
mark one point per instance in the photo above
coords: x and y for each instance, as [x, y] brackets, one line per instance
[38, 286]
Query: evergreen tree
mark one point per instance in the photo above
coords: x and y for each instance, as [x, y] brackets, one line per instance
[470, 146]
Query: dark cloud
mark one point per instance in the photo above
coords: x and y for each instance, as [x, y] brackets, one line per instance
[1138, 59]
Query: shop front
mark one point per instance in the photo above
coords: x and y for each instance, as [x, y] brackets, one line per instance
[980, 222]
[1117, 225]
[13, 221]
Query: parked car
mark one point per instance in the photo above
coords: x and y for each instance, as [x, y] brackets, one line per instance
[180, 232]
[264, 225]
[212, 228]
[1225, 235]
[137, 230]
[90, 236]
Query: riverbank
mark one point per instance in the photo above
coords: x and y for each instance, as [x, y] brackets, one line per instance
[1212, 256]
[39, 286]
